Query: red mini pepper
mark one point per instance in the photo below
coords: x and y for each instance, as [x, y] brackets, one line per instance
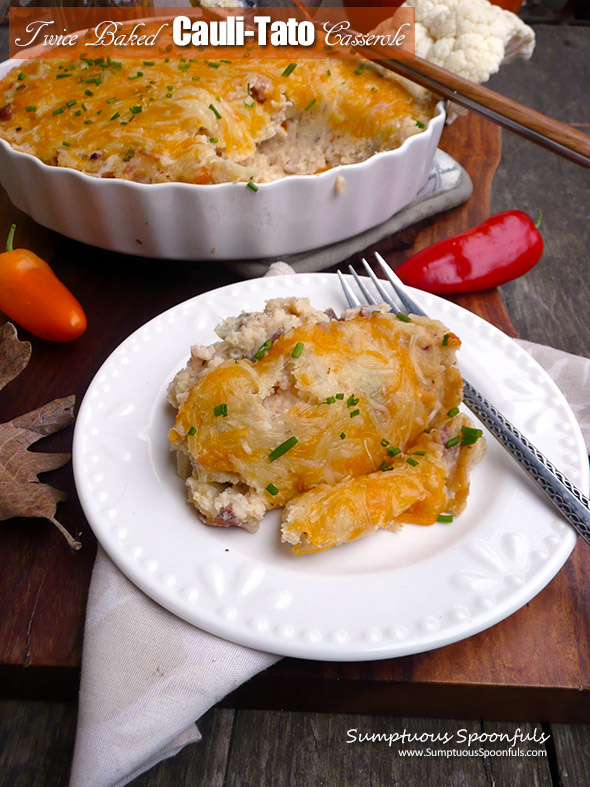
[500, 249]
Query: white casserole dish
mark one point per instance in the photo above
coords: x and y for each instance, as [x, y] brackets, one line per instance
[221, 221]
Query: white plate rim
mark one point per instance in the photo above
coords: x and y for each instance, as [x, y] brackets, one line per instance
[306, 643]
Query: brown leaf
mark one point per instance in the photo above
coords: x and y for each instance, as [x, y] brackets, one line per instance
[21, 492]
[14, 354]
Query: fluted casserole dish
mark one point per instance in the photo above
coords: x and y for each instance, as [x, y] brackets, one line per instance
[197, 159]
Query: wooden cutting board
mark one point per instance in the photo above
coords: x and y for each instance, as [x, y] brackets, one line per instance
[534, 665]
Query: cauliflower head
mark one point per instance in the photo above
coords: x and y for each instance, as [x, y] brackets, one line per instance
[472, 38]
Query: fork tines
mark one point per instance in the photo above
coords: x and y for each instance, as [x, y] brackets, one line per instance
[408, 304]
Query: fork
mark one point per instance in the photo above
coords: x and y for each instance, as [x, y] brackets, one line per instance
[574, 505]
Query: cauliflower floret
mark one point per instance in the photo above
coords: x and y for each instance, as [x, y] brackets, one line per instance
[473, 38]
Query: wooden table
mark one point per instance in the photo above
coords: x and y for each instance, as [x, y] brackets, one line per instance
[533, 665]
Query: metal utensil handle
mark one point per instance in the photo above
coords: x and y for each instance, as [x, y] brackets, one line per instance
[569, 500]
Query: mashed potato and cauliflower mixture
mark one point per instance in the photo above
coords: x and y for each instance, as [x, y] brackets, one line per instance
[351, 424]
[202, 120]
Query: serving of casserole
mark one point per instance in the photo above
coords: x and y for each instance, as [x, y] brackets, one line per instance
[352, 424]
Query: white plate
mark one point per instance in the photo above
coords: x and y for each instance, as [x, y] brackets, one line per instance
[391, 594]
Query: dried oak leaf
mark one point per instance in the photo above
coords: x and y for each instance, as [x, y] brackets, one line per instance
[21, 492]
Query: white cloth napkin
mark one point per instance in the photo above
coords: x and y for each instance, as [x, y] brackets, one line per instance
[147, 675]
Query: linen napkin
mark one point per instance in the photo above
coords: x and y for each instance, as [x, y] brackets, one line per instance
[147, 676]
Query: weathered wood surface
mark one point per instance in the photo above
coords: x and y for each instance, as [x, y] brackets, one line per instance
[248, 748]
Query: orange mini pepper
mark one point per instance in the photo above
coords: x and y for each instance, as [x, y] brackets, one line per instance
[33, 296]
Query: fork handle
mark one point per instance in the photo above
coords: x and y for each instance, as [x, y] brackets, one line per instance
[574, 505]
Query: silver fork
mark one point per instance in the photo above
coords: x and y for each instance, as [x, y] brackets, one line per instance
[574, 505]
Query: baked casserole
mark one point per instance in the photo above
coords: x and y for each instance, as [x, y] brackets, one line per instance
[351, 424]
[202, 121]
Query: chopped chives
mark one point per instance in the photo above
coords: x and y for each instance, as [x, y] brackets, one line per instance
[412, 462]
[148, 62]
[385, 466]
[403, 317]
[97, 80]
[71, 103]
[329, 73]
[70, 68]
[289, 70]
[453, 441]
[445, 339]
[137, 75]
[351, 401]
[77, 112]
[394, 451]
[84, 107]
[384, 442]
[310, 105]
[340, 396]
[21, 75]
[115, 116]
[373, 89]
[213, 140]
[169, 87]
[250, 106]
[444, 518]
[62, 76]
[88, 93]
[420, 124]
[225, 61]
[453, 412]
[59, 110]
[354, 413]
[252, 186]
[135, 110]
[99, 112]
[215, 111]
[282, 448]
[31, 108]
[262, 350]
[220, 409]
[419, 453]
[330, 400]
[110, 100]
[168, 95]
[211, 64]
[297, 350]
[272, 490]
[87, 122]
[65, 144]
[469, 435]
[342, 435]
[192, 431]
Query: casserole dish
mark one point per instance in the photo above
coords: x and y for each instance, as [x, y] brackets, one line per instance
[225, 220]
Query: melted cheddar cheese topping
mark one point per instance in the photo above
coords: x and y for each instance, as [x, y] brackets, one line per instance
[346, 422]
[199, 120]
